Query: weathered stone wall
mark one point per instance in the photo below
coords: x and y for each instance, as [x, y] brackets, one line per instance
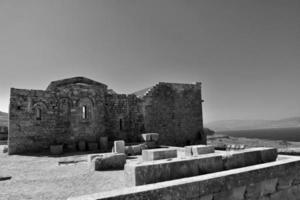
[124, 117]
[26, 132]
[175, 112]
[61, 116]
[79, 109]
[270, 181]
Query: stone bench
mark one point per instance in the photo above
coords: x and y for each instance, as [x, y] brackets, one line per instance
[107, 161]
[255, 182]
[247, 157]
[158, 154]
[195, 150]
[164, 170]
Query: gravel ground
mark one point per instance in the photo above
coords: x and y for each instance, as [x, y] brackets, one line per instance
[42, 178]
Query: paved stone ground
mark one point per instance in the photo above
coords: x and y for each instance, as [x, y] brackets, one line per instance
[40, 177]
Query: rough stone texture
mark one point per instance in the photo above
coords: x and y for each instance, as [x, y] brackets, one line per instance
[268, 186]
[56, 149]
[137, 149]
[231, 184]
[196, 150]
[148, 137]
[234, 194]
[108, 161]
[158, 154]
[103, 143]
[81, 145]
[92, 146]
[252, 156]
[39, 118]
[175, 112]
[163, 170]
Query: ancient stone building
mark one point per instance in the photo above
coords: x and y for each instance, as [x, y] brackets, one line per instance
[80, 109]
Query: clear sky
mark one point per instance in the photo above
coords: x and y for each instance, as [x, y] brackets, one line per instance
[245, 52]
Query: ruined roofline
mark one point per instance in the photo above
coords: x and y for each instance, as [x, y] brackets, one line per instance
[144, 92]
[73, 80]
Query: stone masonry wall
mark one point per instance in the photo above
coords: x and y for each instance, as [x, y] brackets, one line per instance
[26, 133]
[61, 116]
[175, 112]
[278, 180]
[76, 109]
[124, 117]
[62, 122]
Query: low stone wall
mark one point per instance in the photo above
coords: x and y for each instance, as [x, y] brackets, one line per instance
[170, 169]
[141, 173]
[270, 181]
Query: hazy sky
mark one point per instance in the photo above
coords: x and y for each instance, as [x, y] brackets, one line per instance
[245, 52]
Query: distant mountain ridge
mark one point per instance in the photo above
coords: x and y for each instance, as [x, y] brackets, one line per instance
[3, 118]
[230, 125]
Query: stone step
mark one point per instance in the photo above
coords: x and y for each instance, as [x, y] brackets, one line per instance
[158, 154]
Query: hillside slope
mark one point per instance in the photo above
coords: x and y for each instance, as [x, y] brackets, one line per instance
[3, 119]
[229, 125]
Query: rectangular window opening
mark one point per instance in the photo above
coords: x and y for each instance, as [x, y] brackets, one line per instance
[84, 112]
[121, 124]
[38, 114]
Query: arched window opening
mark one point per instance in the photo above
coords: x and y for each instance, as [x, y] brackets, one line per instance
[84, 112]
[38, 114]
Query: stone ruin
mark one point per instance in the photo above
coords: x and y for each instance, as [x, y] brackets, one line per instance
[201, 172]
[82, 114]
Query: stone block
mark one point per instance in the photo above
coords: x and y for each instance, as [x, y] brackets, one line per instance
[71, 147]
[103, 143]
[253, 191]
[158, 154]
[90, 158]
[181, 153]
[291, 193]
[150, 145]
[129, 150]
[268, 186]
[206, 197]
[137, 149]
[164, 170]
[247, 157]
[108, 161]
[148, 137]
[268, 155]
[56, 149]
[93, 146]
[81, 145]
[196, 150]
[285, 182]
[233, 160]
[119, 146]
[233, 194]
